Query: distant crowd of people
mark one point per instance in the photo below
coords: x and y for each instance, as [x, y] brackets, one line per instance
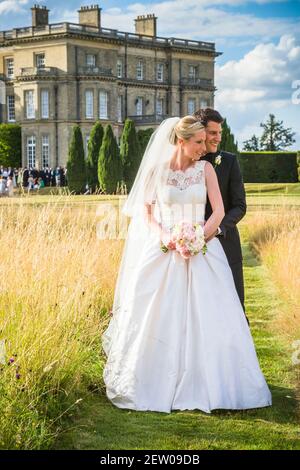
[30, 179]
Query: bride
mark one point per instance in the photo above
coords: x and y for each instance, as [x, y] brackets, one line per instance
[178, 338]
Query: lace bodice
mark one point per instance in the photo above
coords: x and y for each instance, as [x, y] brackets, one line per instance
[184, 195]
[183, 179]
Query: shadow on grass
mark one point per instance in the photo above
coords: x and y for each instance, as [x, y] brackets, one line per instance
[250, 259]
[108, 427]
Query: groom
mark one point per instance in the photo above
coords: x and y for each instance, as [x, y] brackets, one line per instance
[233, 194]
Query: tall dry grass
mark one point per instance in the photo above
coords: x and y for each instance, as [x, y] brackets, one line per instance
[275, 237]
[56, 286]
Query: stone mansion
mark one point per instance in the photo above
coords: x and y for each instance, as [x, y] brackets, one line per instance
[53, 76]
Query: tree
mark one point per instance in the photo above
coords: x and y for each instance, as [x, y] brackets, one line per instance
[143, 138]
[76, 170]
[275, 137]
[10, 145]
[227, 143]
[94, 146]
[129, 153]
[109, 163]
[252, 145]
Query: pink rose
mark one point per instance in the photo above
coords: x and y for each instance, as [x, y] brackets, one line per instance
[185, 253]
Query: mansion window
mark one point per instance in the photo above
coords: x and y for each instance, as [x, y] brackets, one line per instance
[29, 104]
[40, 61]
[103, 105]
[140, 70]
[30, 151]
[192, 72]
[89, 104]
[45, 104]
[45, 151]
[203, 104]
[139, 106]
[10, 68]
[119, 69]
[160, 72]
[191, 105]
[11, 115]
[159, 107]
[91, 60]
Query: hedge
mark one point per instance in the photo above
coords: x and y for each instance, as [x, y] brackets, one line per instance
[10, 145]
[269, 167]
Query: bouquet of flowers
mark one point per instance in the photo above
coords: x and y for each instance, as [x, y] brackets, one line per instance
[187, 239]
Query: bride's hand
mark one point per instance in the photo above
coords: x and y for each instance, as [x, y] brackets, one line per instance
[165, 238]
[211, 237]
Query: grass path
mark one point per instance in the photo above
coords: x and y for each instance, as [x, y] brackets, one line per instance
[97, 424]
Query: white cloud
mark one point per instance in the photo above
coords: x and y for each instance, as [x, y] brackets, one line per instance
[59, 15]
[197, 3]
[12, 6]
[202, 19]
[196, 19]
[259, 84]
[266, 72]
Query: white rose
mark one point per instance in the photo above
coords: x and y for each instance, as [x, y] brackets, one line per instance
[218, 160]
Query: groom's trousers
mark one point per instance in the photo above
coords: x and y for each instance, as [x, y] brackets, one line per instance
[238, 277]
[237, 272]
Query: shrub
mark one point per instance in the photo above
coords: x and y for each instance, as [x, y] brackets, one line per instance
[10, 145]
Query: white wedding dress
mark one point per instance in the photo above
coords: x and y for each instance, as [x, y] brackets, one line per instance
[181, 340]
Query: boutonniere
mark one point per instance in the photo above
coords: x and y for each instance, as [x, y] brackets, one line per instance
[218, 160]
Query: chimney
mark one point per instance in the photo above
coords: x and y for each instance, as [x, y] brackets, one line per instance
[90, 16]
[40, 15]
[146, 25]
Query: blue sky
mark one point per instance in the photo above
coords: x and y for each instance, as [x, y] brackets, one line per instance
[260, 41]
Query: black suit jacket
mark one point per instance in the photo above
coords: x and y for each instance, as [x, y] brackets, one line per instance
[234, 200]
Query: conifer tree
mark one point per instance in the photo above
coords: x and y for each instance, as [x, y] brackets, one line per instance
[130, 153]
[143, 138]
[76, 170]
[109, 163]
[94, 145]
[227, 143]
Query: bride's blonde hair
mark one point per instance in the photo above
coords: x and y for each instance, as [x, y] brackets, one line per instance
[185, 129]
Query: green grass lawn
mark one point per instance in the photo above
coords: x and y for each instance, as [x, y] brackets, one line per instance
[265, 189]
[97, 424]
[264, 196]
[259, 196]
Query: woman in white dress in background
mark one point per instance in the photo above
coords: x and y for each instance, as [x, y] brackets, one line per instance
[178, 338]
[10, 186]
